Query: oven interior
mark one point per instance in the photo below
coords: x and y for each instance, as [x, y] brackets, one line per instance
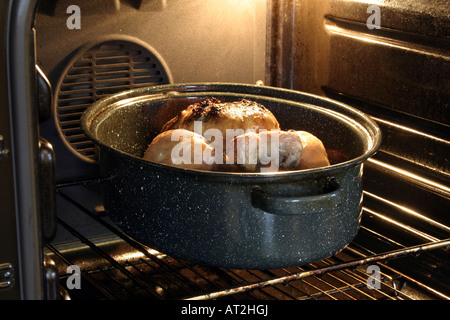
[396, 74]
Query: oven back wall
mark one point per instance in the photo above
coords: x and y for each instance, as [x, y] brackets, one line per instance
[166, 41]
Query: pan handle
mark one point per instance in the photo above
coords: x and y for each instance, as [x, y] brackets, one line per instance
[295, 205]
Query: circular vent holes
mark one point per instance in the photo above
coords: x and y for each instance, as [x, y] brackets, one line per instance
[101, 70]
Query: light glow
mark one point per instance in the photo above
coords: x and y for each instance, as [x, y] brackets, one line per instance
[402, 226]
[132, 256]
[379, 40]
[411, 175]
[409, 211]
[429, 136]
[368, 2]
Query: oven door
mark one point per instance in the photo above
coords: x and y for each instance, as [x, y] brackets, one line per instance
[9, 262]
[21, 259]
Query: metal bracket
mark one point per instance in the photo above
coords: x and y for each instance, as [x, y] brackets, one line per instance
[6, 275]
[51, 291]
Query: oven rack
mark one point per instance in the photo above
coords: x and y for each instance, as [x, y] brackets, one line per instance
[114, 266]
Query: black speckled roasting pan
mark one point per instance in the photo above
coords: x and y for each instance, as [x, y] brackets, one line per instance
[234, 220]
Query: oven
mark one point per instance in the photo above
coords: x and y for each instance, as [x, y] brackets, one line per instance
[388, 59]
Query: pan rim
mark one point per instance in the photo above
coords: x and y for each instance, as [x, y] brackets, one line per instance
[372, 131]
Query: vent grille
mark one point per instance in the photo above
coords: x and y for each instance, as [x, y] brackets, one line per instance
[104, 69]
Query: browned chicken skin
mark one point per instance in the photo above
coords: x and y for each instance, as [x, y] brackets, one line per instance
[223, 116]
[314, 153]
[181, 148]
[265, 151]
[241, 136]
[294, 150]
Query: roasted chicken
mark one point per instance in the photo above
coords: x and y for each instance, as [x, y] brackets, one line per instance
[241, 136]
[182, 148]
[276, 150]
[314, 152]
[265, 151]
[227, 117]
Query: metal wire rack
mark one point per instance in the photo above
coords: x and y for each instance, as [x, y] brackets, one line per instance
[114, 266]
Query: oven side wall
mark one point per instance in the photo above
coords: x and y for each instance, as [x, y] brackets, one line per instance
[395, 73]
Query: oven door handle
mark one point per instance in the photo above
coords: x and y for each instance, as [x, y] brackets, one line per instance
[296, 205]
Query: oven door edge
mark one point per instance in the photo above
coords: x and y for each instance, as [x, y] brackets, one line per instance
[24, 144]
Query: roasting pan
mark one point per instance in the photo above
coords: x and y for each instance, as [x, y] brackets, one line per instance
[234, 220]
